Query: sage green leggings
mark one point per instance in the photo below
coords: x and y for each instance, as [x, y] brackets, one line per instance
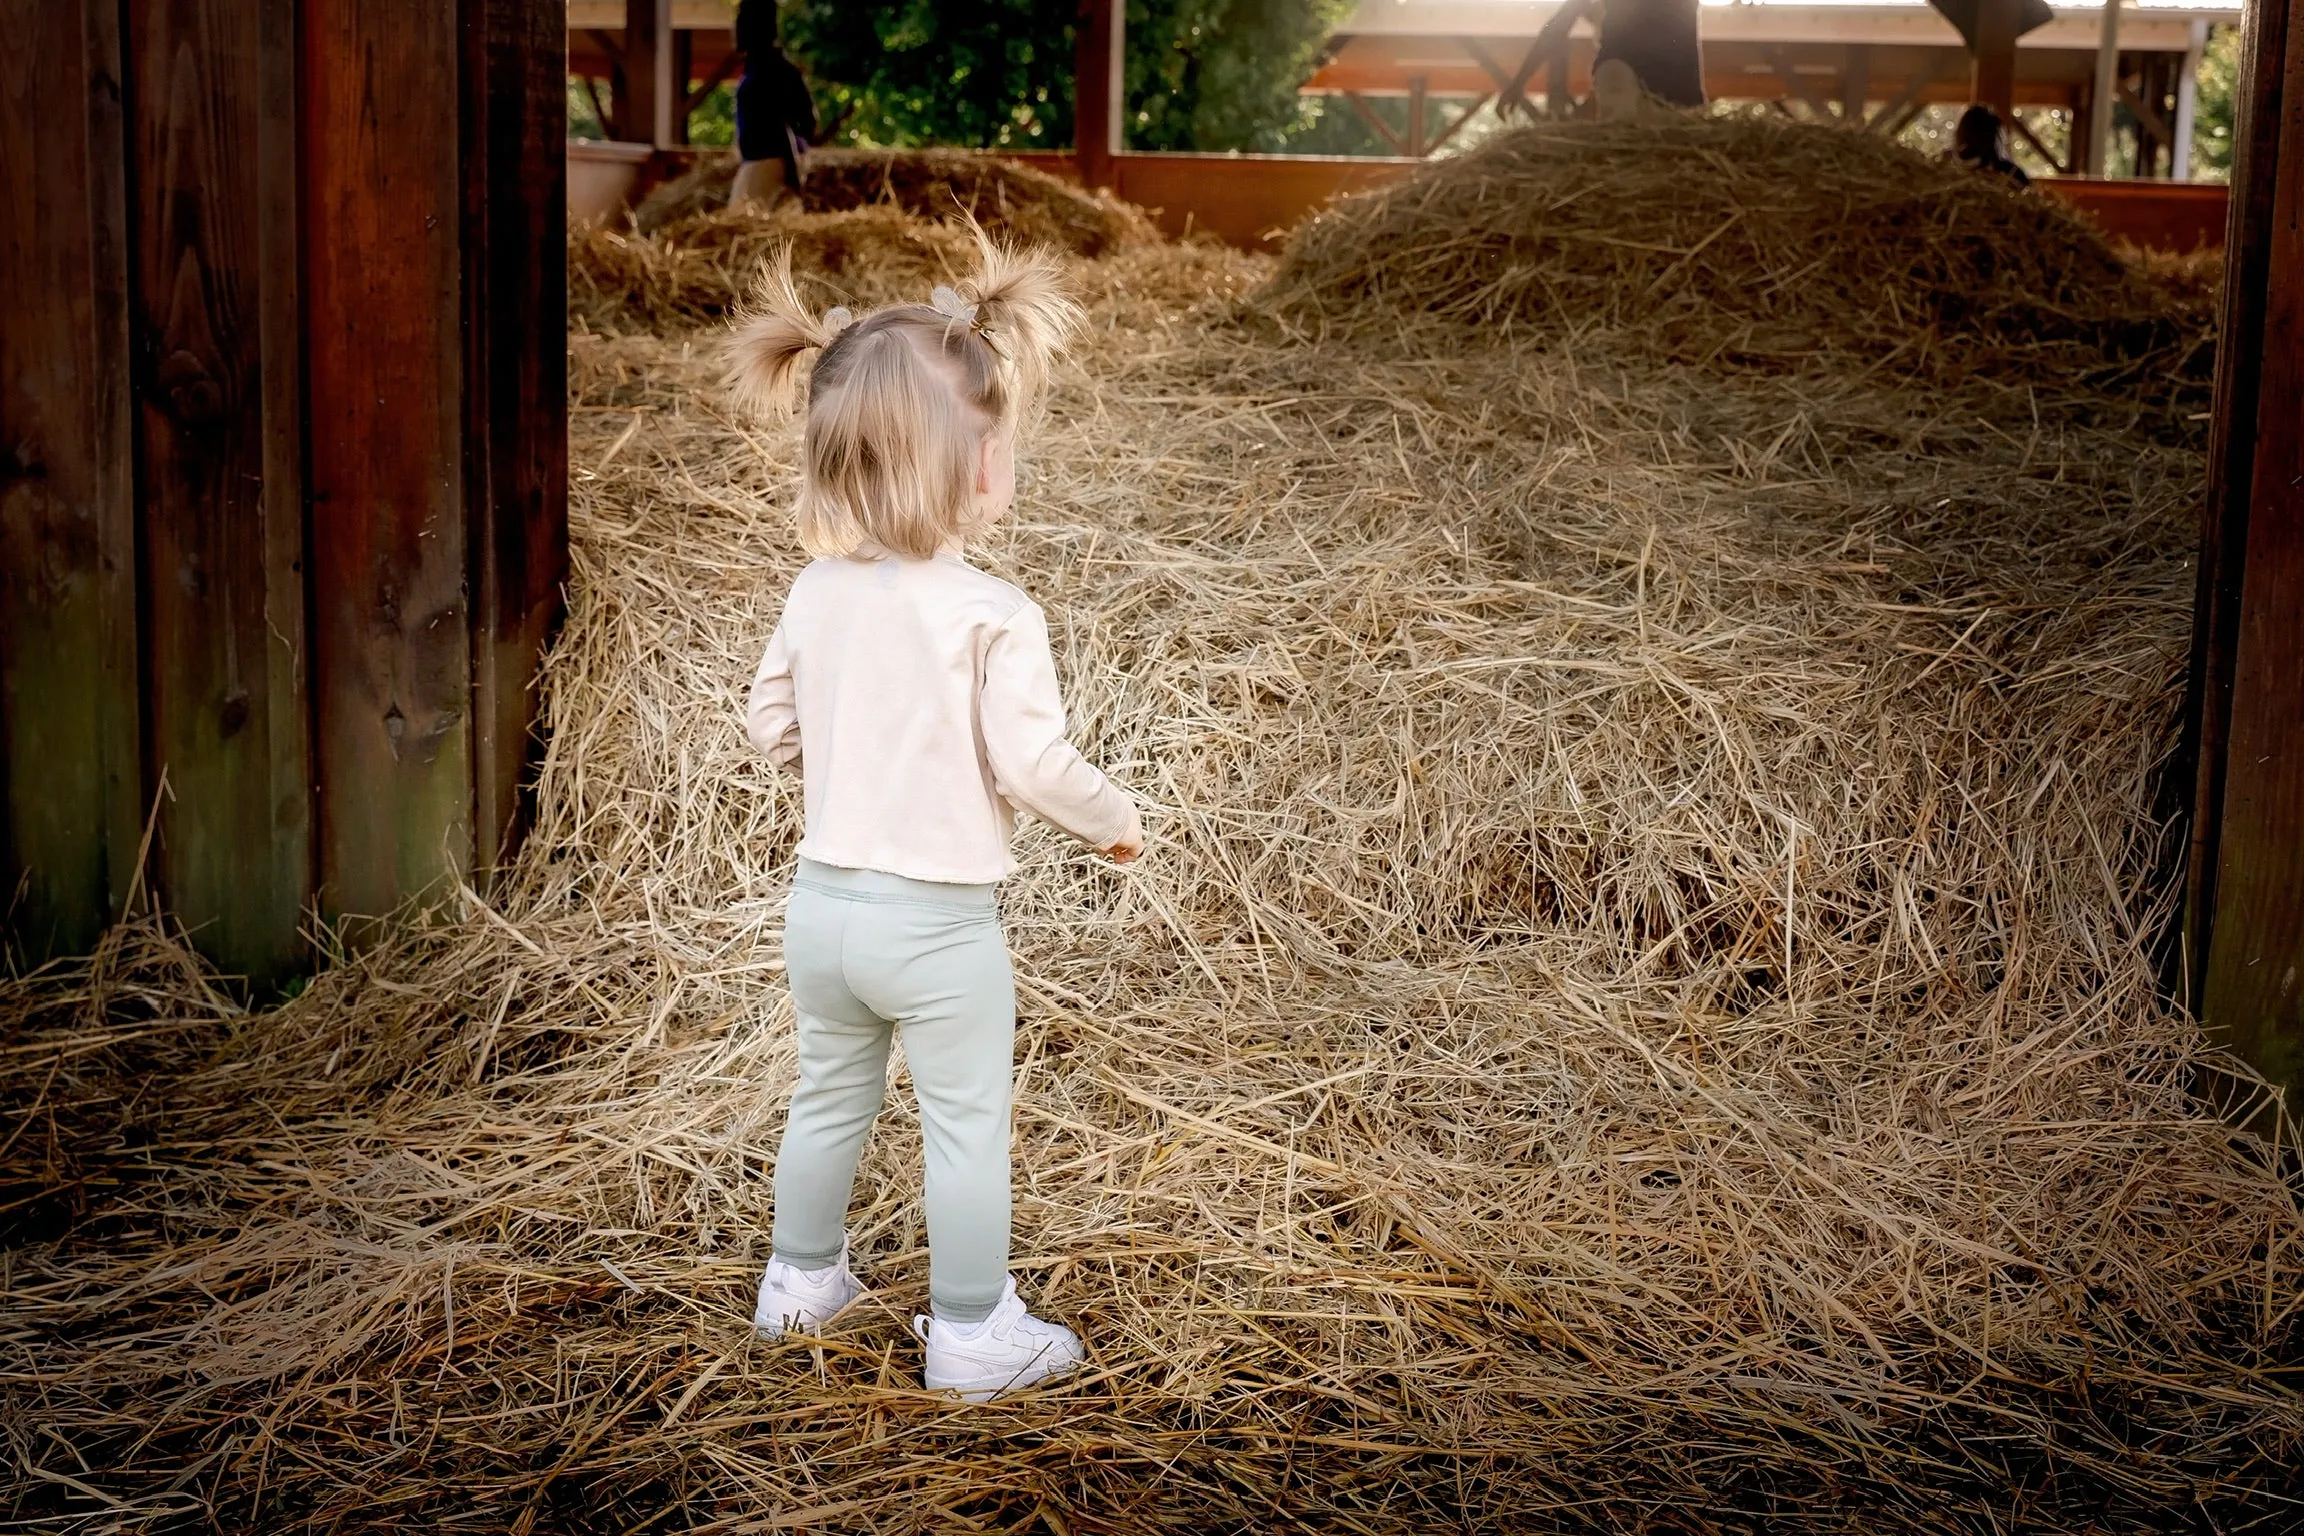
[866, 953]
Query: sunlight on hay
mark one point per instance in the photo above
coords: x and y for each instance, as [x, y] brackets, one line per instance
[1640, 996]
[1013, 201]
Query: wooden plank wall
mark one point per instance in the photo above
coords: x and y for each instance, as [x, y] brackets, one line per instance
[282, 455]
[516, 367]
[2244, 923]
[70, 758]
[391, 631]
[219, 465]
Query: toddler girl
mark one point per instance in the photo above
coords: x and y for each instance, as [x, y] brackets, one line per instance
[916, 698]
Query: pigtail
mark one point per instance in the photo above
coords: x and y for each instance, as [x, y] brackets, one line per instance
[772, 334]
[1025, 310]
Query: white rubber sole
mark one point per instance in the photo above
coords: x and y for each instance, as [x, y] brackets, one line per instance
[983, 1387]
[775, 1331]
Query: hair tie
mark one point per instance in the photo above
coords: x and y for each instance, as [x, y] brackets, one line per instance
[947, 302]
[838, 318]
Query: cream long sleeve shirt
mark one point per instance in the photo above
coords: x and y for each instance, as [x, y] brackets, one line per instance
[917, 701]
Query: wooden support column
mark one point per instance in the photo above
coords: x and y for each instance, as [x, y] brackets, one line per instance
[1376, 124]
[2187, 104]
[391, 633]
[647, 73]
[1099, 89]
[1995, 53]
[515, 390]
[70, 747]
[2244, 912]
[2102, 94]
[675, 67]
[1856, 84]
[211, 90]
[1416, 145]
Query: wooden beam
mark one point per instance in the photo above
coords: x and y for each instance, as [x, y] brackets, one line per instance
[1099, 92]
[2083, 155]
[675, 63]
[1796, 85]
[650, 56]
[391, 642]
[1383, 129]
[2147, 116]
[2103, 92]
[2187, 105]
[1995, 56]
[1551, 38]
[1904, 120]
[1416, 145]
[617, 122]
[210, 84]
[1449, 132]
[71, 777]
[515, 295]
[600, 113]
[2244, 909]
[1907, 104]
[2023, 130]
[1855, 84]
[697, 95]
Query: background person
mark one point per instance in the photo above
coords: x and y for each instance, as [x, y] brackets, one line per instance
[1980, 142]
[775, 115]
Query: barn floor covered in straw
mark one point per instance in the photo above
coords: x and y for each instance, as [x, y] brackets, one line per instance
[1639, 1013]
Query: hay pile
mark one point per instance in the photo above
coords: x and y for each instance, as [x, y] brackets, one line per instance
[1748, 242]
[696, 271]
[869, 227]
[1637, 1016]
[1012, 200]
[693, 274]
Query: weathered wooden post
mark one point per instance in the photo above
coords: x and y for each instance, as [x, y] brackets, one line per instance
[2244, 918]
[1994, 47]
[282, 434]
[70, 737]
[1099, 89]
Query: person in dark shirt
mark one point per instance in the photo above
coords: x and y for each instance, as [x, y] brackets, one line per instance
[1659, 40]
[775, 115]
[1980, 143]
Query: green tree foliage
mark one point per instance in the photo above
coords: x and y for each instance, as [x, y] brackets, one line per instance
[980, 72]
[1202, 74]
[2212, 109]
[1222, 74]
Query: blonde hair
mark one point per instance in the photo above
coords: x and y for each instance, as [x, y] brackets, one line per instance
[900, 401]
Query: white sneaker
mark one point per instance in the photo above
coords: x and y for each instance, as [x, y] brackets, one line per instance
[802, 1300]
[1007, 1352]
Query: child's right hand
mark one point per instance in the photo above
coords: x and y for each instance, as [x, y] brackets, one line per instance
[1125, 852]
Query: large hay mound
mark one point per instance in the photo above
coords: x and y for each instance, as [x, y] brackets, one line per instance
[1745, 241]
[1638, 1015]
[871, 227]
[696, 271]
[1009, 199]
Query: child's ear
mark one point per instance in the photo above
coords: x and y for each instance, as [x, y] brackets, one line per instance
[985, 450]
